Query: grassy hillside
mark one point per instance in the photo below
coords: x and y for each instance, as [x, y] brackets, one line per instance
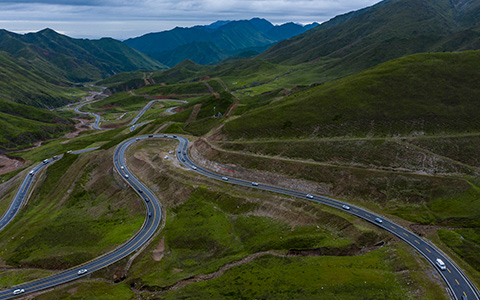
[22, 125]
[414, 95]
[23, 84]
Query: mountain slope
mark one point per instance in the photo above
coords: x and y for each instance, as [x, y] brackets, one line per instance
[214, 42]
[19, 82]
[387, 30]
[22, 125]
[69, 59]
[418, 94]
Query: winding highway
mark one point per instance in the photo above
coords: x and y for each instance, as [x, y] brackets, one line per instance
[458, 283]
[96, 125]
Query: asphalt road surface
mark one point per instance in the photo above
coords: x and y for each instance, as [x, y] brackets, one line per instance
[455, 279]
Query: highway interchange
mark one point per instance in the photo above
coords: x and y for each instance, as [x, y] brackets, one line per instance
[458, 283]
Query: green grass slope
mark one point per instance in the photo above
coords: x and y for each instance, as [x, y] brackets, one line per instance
[21, 83]
[22, 125]
[418, 94]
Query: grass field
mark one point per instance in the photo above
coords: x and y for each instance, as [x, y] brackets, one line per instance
[374, 275]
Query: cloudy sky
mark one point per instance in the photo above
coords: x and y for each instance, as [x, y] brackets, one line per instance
[122, 19]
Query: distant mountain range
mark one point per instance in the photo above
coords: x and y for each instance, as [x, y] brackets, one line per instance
[215, 42]
[39, 69]
[387, 30]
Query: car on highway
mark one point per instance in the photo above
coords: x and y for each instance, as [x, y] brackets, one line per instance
[82, 271]
[346, 207]
[440, 264]
[55, 157]
[378, 220]
[45, 161]
[31, 173]
[69, 151]
[122, 167]
[225, 178]
[140, 191]
[149, 214]
[137, 139]
[193, 167]
[18, 291]
[183, 159]
[126, 175]
[146, 199]
[255, 183]
[309, 196]
[150, 135]
[174, 136]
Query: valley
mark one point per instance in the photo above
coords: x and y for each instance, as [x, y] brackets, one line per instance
[339, 163]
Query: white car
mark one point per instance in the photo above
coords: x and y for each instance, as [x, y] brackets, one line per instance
[225, 178]
[309, 196]
[122, 167]
[255, 183]
[31, 173]
[82, 271]
[378, 220]
[193, 167]
[346, 207]
[18, 291]
[126, 175]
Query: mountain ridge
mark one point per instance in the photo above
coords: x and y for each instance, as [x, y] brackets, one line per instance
[387, 30]
[229, 37]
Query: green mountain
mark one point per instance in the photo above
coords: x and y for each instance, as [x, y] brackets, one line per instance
[387, 30]
[215, 42]
[69, 59]
[418, 94]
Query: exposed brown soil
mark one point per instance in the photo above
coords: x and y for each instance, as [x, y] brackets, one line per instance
[201, 150]
[8, 164]
[82, 125]
[158, 253]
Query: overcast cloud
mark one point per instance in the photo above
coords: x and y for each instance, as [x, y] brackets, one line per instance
[122, 19]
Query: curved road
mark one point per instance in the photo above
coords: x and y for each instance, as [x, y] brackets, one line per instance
[140, 114]
[152, 223]
[458, 283]
[97, 117]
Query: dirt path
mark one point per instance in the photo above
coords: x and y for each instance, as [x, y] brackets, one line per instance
[194, 114]
[8, 164]
[211, 90]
